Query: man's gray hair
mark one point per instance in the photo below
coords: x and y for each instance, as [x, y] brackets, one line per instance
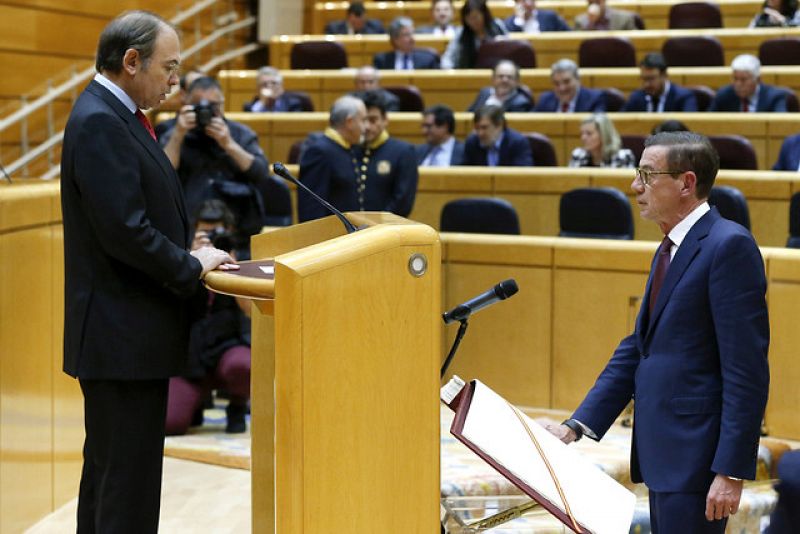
[748, 63]
[398, 24]
[344, 108]
[270, 71]
[565, 65]
[133, 29]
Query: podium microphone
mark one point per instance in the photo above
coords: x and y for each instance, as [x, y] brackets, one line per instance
[279, 169]
[501, 291]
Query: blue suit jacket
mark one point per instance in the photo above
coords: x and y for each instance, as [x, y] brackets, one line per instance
[678, 99]
[520, 101]
[339, 27]
[549, 21]
[769, 99]
[422, 151]
[789, 158]
[515, 151]
[423, 59]
[697, 368]
[589, 100]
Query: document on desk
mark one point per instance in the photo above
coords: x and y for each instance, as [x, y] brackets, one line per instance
[561, 479]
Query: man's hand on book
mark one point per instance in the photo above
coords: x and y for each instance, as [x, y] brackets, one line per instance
[562, 432]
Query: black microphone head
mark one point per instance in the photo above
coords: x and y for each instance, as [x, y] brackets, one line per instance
[279, 169]
[506, 288]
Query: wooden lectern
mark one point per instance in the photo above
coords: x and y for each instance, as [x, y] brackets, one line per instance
[346, 350]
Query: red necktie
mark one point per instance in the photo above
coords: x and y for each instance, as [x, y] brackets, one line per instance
[564, 107]
[745, 105]
[662, 264]
[145, 123]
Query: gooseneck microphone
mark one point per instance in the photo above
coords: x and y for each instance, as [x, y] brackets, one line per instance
[501, 291]
[279, 169]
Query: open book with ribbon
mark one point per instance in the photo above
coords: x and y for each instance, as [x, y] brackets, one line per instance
[556, 476]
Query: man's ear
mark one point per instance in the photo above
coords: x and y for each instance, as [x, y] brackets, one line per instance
[131, 61]
[689, 184]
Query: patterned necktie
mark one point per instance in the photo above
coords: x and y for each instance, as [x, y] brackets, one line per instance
[662, 265]
[145, 123]
[745, 105]
[492, 156]
[406, 62]
[654, 100]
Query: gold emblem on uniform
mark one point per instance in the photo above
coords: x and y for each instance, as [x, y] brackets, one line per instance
[384, 167]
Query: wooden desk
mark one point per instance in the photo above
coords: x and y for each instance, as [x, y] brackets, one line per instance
[549, 46]
[655, 13]
[458, 88]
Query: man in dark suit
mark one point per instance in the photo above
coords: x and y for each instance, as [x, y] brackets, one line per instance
[355, 22]
[696, 363]
[658, 94]
[271, 96]
[600, 17]
[368, 78]
[404, 56]
[440, 148]
[789, 157]
[747, 93]
[505, 90]
[528, 19]
[494, 144]
[568, 95]
[127, 273]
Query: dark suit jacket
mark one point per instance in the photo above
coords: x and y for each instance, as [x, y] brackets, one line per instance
[423, 59]
[422, 150]
[549, 21]
[514, 150]
[126, 234]
[697, 367]
[678, 99]
[589, 100]
[519, 101]
[786, 516]
[770, 98]
[789, 157]
[339, 27]
[286, 102]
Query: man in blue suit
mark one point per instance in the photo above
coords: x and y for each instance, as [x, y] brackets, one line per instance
[696, 363]
[494, 144]
[567, 95]
[789, 157]
[355, 22]
[404, 56]
[658, 94]
[505, 90]
[441, 148]
[528, 19]
[747, 93]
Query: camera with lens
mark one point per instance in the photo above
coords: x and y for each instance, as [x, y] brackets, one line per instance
[204, 111]
[221, 238]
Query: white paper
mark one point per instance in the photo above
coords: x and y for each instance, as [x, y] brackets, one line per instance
[267, 269]
[596, 500]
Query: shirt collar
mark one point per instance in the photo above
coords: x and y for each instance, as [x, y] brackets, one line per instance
[754, 99]
[337, 138]
[679, 232]
[117, 91]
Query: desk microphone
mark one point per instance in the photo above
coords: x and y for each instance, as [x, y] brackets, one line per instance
[279, 169]
[501, 291]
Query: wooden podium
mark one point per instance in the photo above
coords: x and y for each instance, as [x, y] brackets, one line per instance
[345, 382]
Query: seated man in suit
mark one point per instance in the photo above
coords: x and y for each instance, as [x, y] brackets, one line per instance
[528, 19]
[747, 93]
[789, 157]
[568, 95]
[369, 79]
[494, 144]
[271, 96]
[600, 17]
[658, 93]
[440, 148]
[403, 55]
[355, 22]
[442, 14]
[505, 90]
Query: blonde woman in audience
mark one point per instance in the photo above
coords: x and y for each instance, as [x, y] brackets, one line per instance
[602, 146]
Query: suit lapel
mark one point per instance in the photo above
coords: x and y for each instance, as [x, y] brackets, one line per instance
[683, 258]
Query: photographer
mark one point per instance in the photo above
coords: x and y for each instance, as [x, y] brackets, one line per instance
[219, 342]
[217, 158]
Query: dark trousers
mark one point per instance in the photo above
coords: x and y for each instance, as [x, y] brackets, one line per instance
[681, 513]
[123, 454]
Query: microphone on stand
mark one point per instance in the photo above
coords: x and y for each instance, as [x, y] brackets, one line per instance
[279, 169]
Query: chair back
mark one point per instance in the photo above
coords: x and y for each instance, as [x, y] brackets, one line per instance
[277, 201]
[615, 99]
[735, 152]
[306, 104]
[782, 51]
[544, 155]
[695, 15]
[792, 104]
[318, 55]
[730, 203]
[606, 52]
[694, 51]
[602, 212]
[479, 216]
[409, 96]
[634, 143]
[294, 152]
[794, 222]
[704, 95]
[491, 52]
